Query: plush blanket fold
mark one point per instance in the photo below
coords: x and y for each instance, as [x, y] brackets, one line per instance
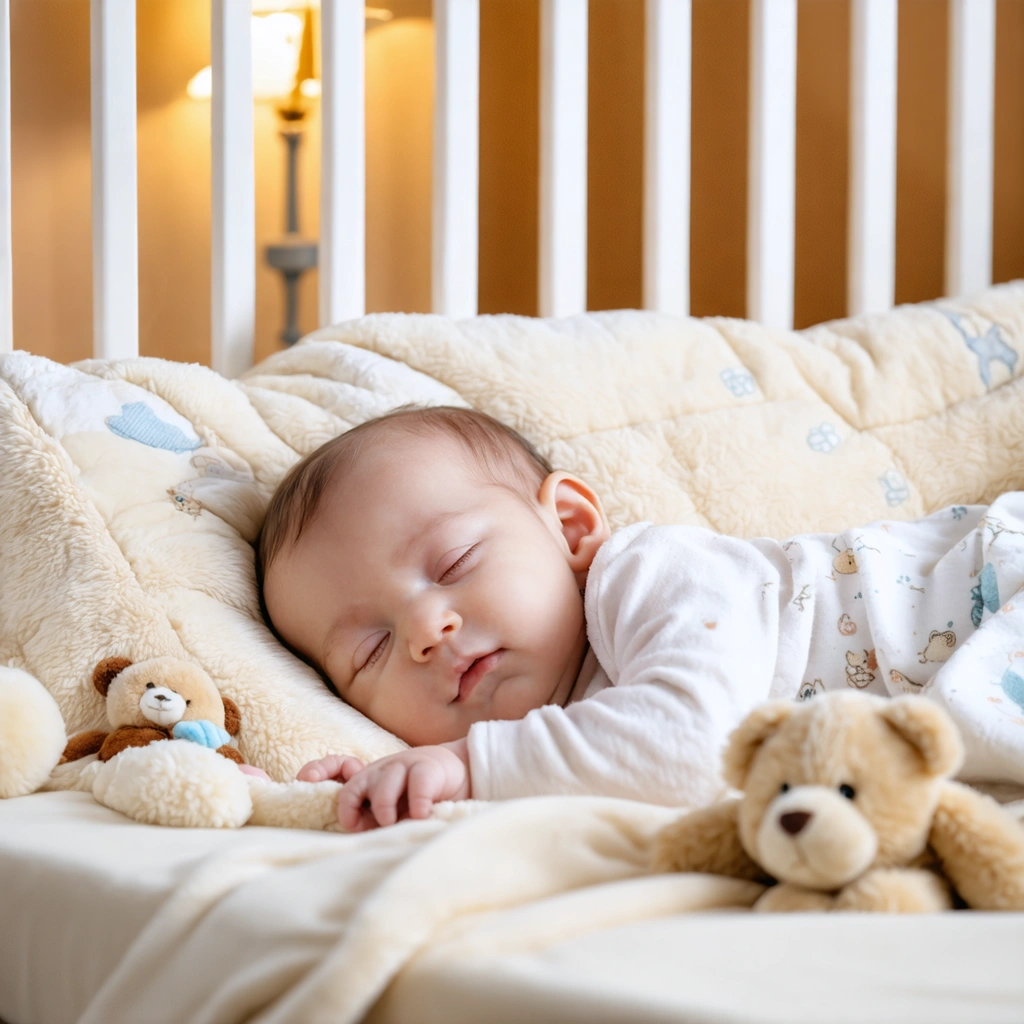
[308, 931]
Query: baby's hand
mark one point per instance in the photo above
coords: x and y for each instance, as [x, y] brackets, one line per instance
[422, 776]
[339, 767]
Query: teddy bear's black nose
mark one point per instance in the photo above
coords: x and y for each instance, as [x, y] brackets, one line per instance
[794, 821]
[160, 696]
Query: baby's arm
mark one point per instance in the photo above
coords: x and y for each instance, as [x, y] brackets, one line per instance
[685, 624]
[403, 785]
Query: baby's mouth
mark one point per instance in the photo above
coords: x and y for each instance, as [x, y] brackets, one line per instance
[469, 679]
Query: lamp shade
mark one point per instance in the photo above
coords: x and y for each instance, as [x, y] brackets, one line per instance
[276, 40]
[277, 51]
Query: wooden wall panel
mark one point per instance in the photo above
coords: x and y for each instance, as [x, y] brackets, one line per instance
[718, 184]
[1008, 172]
[822, 159]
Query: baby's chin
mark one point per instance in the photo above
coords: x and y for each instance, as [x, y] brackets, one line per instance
[512, 699]
[444, 729]
[449, 729]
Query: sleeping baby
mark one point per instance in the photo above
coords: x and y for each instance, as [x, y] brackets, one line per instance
[453, 587]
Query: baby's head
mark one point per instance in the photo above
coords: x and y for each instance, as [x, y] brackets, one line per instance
[431, 564]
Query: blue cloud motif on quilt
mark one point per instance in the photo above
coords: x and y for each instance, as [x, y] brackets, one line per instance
[137, 422]
[895, 486]
[1013, 687]
[202, 731]
[823, 438]
[739, 381]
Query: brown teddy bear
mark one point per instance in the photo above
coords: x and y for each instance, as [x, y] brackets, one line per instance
[157, 699]
[847, 805]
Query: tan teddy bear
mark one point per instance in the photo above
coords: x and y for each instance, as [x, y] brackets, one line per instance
[847, 805]
[157, 699]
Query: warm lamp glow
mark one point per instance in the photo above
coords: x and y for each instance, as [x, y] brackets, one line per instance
[276, 46]
[276, 39]
[200, 85]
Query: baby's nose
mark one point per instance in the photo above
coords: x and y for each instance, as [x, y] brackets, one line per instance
[426, 641]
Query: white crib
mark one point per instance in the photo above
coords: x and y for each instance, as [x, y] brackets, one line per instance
[563, 164]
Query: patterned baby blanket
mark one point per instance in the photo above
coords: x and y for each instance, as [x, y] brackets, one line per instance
[132, 490]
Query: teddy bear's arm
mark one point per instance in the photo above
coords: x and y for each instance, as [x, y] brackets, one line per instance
[980, 847]
[788, 898]
[706, 841]
[231, 754]
[82, 745]
[896, 890]
[131, 736]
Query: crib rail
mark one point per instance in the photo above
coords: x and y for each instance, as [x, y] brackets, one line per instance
[115, 227]
[233, 206]
[6, 253]
[342, 261]
[563, 164]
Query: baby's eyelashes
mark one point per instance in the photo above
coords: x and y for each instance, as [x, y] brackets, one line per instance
[376, 653]
[459, 563]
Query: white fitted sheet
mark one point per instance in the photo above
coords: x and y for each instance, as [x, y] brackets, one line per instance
[79, 883]
[725, 968]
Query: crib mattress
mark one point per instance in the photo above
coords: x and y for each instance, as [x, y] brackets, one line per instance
[80, 883]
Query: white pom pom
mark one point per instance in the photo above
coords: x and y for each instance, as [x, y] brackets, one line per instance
[174, 782]
[32, 736]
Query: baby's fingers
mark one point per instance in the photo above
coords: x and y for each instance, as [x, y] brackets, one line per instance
[426, 782]
[351, 815]
[335, 766]
[386, 791]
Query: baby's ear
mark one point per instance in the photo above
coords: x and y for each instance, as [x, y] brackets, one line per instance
[579, 514]
[748, 738]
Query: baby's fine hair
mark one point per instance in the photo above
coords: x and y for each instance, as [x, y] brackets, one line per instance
[502, 455]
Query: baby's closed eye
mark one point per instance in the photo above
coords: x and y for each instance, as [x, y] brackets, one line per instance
[458, 564]
[370, 650]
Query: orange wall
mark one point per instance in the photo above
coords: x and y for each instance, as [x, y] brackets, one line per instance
[50, 70]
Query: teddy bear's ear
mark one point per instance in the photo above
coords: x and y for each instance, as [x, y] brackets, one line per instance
[748, 737]
[103, 674]
[232, 716]
[929, 730]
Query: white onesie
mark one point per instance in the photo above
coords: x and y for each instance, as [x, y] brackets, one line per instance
[692, 629]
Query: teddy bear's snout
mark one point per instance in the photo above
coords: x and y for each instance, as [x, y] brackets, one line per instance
[162, 706]
[794, 821]
[814, 836]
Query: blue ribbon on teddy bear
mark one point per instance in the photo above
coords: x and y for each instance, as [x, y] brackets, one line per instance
[202, 731]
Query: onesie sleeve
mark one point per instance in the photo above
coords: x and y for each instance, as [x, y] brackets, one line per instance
[685, 624]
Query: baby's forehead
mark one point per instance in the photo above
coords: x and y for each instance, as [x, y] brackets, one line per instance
[425, 470]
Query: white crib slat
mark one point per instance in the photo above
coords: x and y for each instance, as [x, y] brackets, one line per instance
[563, 157]
[666, 268]
[342, 269]
[456, 156]
[115, 235]
[972, 34]
[871, 264]
[772, 162]
[233, 201]
[6, 254]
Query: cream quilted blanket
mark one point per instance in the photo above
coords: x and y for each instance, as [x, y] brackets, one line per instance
[131, 491]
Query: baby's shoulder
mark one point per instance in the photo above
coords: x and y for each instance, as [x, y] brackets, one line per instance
[670, 557]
